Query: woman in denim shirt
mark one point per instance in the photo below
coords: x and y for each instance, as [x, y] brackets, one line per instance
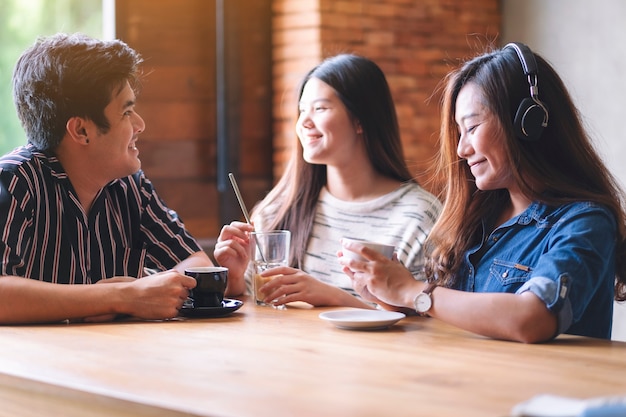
[531, 240]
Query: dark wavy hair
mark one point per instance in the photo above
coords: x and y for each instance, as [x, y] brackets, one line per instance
[69, 75]
[563, 161]
[362, 87]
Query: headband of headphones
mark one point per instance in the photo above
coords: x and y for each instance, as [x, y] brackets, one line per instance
[531, 115]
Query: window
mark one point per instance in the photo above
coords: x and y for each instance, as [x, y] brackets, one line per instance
[21, 22]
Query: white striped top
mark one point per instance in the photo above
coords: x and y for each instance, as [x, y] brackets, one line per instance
[402, 218]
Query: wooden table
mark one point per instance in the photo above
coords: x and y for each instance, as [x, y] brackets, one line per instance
[265, 362]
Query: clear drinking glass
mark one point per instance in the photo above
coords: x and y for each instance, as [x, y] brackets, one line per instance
[268, 250]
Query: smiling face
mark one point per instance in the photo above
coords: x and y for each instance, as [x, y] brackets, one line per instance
[114, 153]
[326, 131]
[481, 141]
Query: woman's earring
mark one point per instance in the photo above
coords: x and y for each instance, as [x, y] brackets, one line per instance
[86, 140]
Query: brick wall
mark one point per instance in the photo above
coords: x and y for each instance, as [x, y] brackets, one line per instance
[415, 42]
[179, 101]
[412, 40]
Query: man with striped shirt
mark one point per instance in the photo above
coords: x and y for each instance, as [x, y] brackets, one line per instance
[75, 207]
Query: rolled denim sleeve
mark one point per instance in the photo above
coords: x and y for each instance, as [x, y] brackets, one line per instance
[555, 295]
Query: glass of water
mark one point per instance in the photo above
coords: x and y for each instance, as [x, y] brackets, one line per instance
[268, 250]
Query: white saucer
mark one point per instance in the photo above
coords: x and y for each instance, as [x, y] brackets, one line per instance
[362, 319]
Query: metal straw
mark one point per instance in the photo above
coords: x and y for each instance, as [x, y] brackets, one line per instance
[244, 210]
[239, 198]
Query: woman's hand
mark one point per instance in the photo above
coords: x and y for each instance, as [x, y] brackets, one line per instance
[378, 279]
[292, 284]
[232, 251]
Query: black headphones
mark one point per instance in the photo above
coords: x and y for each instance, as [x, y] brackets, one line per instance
[531, 115]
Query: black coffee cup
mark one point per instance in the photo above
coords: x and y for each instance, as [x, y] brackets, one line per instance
[211, 284]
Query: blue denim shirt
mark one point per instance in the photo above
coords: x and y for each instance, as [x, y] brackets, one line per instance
[564, 255]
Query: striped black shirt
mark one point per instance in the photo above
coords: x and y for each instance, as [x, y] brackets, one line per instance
[45, 234]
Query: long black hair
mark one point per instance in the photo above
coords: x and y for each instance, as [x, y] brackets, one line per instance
[362, 87]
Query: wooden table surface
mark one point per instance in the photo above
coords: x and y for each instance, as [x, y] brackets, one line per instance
[265, 362]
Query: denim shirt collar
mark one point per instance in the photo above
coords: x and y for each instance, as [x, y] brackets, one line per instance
[535, 211]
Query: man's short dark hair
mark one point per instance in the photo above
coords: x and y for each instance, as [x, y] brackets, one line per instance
[69, 75]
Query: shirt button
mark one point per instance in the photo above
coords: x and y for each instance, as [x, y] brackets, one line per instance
[505, 274]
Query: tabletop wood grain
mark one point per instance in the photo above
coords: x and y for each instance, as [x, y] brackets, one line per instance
[265, 362]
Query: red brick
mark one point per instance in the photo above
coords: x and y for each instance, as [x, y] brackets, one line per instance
[415, 43]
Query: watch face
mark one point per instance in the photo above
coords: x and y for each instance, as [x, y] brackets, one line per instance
[423, 302]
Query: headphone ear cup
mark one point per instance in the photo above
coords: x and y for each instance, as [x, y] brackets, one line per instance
[529, 120]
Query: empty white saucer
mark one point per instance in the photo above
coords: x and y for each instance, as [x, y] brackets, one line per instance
[362, 319]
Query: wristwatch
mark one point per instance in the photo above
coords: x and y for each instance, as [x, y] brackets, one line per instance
[423, 301]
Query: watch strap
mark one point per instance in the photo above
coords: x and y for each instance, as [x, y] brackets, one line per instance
[430, 287]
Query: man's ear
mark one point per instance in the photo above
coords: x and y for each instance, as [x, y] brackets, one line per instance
[76, 128]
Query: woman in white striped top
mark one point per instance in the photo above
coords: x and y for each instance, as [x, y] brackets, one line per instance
[347, 177]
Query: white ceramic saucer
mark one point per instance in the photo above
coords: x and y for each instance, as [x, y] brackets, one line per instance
[362, 319]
